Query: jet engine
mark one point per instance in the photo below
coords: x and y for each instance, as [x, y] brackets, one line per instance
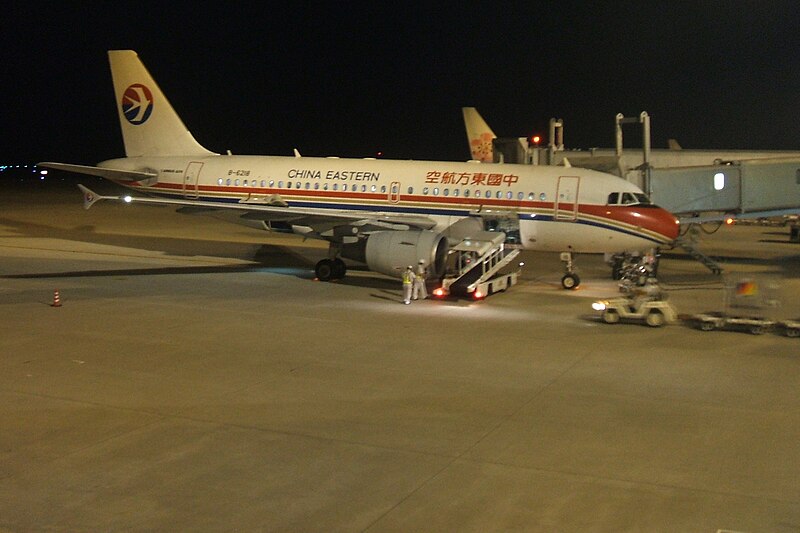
[390, 252]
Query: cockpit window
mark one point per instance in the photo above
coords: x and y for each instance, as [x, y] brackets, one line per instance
[628, 198]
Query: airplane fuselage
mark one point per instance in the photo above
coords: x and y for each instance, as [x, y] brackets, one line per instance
[557, 208]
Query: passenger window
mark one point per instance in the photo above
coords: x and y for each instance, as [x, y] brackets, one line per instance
[489, 194]
[363, 188]
[297, 185]
[436, 191]
[344, 187]
[316, 185]
[374, 188]
[425, 190]
[542, 197]
[446, 192]
[466, 193]
[324, 186]
[236, 182]
[520, 195]
[410, 190]
[308, 185]
[335, 186]
[477, 193]
[271, 183]
[280, 184]
[455, 192]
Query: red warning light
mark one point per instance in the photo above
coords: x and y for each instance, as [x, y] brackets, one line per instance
[536, 139]
[730, 221]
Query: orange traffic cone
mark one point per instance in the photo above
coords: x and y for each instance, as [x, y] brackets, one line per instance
[56, 299]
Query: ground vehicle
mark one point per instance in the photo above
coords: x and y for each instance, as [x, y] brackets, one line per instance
[791, 328]
[653, 312]
[753, 324]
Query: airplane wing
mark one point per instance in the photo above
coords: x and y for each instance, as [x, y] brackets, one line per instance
[108, 173]
[322, 222]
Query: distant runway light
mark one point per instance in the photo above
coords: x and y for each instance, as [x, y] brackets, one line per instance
[128, 199]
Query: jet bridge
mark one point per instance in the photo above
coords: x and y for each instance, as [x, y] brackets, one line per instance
[758, 187]
[479, 266]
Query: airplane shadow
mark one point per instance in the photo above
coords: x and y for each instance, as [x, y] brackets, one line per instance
[273, 258]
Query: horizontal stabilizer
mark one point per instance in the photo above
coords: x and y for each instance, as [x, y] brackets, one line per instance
[108, 173]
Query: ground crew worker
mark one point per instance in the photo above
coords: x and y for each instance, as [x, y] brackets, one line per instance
[408, 280]
[420, 291]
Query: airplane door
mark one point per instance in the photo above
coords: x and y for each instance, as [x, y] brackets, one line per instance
[191, 178]
[394, 192]
[566, 204]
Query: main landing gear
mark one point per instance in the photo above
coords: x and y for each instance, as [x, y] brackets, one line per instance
[570, 280]
[330, 269]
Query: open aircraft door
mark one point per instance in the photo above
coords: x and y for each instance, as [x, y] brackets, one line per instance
[566, 204]
[191, 177]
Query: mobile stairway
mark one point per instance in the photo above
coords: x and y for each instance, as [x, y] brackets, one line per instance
[479, 266]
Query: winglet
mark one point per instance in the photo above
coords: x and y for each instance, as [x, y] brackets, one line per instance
[90, 197]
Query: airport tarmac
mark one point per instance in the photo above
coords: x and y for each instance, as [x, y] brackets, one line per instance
[197, 378]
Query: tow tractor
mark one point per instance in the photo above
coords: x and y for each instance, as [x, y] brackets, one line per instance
[647, 305]
[479, 266]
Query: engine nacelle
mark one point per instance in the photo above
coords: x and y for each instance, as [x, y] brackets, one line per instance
[390, 252]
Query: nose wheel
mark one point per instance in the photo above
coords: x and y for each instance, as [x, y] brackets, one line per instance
[570, 280]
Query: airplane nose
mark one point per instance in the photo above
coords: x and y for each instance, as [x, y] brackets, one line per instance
[664, 223]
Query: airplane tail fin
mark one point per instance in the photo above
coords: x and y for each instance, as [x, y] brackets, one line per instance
[150, 126]
[479, 135]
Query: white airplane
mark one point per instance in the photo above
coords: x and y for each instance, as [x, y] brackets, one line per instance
[387, 214]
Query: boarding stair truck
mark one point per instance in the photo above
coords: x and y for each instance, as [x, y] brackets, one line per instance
[479, 266]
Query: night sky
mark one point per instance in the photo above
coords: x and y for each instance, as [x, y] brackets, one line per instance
[347, 80]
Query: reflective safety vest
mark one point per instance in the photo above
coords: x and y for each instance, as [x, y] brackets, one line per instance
[408, 277]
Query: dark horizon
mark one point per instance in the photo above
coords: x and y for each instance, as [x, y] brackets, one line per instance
[263, 80]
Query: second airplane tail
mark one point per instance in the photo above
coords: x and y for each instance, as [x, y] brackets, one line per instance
[150, 126]
[479, 135]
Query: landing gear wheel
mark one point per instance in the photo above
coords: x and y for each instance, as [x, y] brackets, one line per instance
[706, 326]
[610, 316]
[324, 270]
[654, 319]
[570, 281]
[339, 269]
[792, 332]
